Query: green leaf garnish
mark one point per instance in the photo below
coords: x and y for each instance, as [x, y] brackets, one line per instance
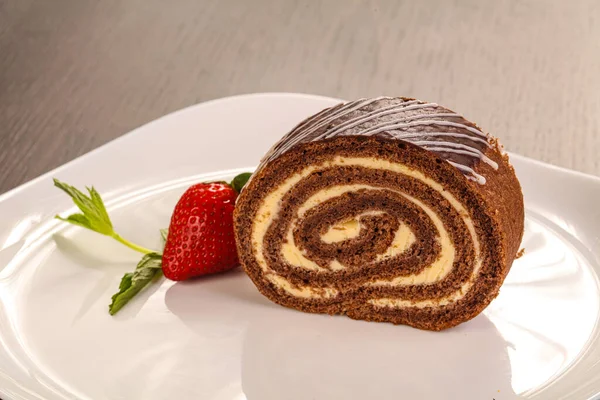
[93, 214]
[240, 181]
[131, 284]
[94, 217]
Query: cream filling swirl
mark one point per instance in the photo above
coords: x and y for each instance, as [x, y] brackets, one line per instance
[269, 210]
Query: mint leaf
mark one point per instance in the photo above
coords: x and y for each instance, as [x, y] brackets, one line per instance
[164, 233]
[131, 284]
[240, 181]
[94, 215]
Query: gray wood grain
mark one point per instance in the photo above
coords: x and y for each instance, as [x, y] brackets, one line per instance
[75, 74]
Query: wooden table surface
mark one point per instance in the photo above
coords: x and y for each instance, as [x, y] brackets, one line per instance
[75, 74]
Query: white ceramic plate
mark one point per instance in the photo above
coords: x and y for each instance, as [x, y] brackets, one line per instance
[219, 339]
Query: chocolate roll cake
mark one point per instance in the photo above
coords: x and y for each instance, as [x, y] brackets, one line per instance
[383, 209]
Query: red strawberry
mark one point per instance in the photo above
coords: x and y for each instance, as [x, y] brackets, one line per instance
[200, 239]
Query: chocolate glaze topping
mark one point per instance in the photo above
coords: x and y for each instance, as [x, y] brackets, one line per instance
[428, 125]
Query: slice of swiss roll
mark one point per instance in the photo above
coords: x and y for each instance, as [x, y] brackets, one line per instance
[382, 209]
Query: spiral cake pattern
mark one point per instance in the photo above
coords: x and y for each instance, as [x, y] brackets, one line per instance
[385, 209]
